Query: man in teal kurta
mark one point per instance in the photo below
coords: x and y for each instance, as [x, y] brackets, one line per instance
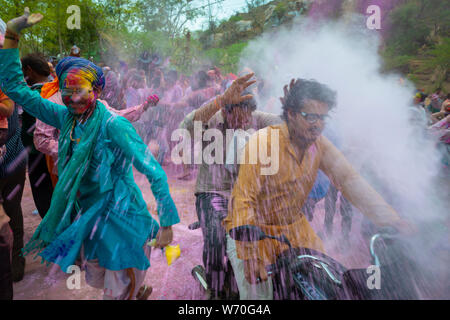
[97, 209]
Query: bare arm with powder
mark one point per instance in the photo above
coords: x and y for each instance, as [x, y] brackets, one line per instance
[356, 189]
[233, 95]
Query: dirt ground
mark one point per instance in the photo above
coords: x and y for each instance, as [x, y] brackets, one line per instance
[169, 282]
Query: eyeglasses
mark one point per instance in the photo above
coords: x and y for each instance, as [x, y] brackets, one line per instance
[314, 117]
[78, 91]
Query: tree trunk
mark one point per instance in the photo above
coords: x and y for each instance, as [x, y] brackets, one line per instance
[59, 29]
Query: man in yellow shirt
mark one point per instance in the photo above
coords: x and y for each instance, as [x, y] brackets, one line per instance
[274, 202]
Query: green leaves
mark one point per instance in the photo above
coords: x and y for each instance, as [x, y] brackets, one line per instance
[167, 16]
[418, 42]
[414, 22]
[227, 58]
[440, 55]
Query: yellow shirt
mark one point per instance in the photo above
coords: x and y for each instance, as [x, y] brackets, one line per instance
[274, 202]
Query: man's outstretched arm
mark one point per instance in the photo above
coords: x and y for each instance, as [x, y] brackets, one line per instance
[355, 188]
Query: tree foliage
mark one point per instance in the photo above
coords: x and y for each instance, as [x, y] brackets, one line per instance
[109, 28]
[227, 58]
[415, 23]
[52, 36]
[167, 16]
[440, 55]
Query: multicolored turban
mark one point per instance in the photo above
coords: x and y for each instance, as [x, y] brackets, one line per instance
[84, 68]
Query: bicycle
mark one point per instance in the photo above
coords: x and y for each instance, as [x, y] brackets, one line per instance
[306, 274]
[199, 274]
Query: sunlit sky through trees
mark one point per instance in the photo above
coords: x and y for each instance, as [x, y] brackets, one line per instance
[219, 11]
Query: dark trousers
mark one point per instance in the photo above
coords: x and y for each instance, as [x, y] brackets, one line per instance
[6, 283]
[330, 210]
[11, 188]
[40, 182]
[212, 208]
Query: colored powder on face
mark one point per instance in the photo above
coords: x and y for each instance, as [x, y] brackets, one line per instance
[76, 80]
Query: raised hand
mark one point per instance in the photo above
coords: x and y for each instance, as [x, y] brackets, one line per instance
[26, 20]
[233, 95]
[286, 90]
[151, 101]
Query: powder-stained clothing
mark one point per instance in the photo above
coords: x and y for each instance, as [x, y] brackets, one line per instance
[215, 177]
[3, 120]
[3, 127]
[274, 202]
[133, 97]
[38, 172]
[46, 137]
[111, 92]
[214, 183]
[113, 222]
[29, 124]
[441, 130]
[116, 285]
[173, 94]
[195, 98]
[15, 158]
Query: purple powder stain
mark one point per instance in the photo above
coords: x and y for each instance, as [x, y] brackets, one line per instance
[40, 180]
[94, 228]
[13, 193]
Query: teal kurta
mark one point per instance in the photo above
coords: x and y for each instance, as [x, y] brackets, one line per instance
[113, 222]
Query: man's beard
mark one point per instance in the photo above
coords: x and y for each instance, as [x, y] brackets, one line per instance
[302, 142]
[300, 139]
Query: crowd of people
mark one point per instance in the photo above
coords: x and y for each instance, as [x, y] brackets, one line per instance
[77, 129]
[436, 105]
[432, 111]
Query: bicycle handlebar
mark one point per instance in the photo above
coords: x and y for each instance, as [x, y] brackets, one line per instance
[372, 244]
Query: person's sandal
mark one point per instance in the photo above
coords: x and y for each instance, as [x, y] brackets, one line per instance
[144, 292]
